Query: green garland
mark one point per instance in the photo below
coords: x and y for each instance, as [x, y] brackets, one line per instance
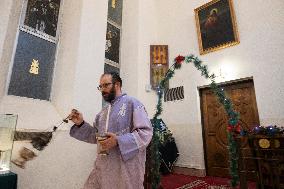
[233, 125]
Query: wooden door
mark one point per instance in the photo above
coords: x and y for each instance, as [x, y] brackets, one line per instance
[215, 122]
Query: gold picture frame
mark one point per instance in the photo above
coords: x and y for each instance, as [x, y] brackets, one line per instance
[216, 26]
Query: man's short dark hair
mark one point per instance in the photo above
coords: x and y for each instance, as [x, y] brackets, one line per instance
[115, 77]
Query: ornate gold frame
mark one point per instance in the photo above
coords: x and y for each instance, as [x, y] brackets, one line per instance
[226, 44]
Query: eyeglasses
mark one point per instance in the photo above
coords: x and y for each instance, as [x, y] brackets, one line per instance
[103, 86]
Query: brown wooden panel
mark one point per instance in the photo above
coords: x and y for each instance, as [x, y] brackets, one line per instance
[215, 121]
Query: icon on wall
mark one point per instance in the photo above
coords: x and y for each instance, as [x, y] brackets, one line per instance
[158, 64]
[216, 26]
[159, 54]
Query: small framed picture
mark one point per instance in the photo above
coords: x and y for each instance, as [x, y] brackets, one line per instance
[216, 26]
[159, 64]
[157, 74]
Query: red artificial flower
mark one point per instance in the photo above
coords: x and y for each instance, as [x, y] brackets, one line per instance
[179, 59]
[238, 128]
[230, 128]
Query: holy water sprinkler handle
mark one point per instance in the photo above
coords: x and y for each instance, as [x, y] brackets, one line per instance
[63, 121]
[69, 117]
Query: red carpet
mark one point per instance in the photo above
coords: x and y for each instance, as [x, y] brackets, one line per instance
[178, 181]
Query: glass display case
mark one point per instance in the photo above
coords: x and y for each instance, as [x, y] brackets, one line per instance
[7, 129]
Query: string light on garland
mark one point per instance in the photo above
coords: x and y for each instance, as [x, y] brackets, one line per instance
[233, 129]
[266, 131]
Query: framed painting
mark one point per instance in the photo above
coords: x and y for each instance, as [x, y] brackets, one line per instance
[216, 26]
[159, 64]
[157, 74]
[159, 54]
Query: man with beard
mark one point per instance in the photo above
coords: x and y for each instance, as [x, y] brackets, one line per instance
[128, 130]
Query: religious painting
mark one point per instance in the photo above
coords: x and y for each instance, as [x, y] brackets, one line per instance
[159, 54]
[157, 74]
[216, 26]
[112, 44]
[33, 67]
[158, 64]
[42, 16]
[115, 11]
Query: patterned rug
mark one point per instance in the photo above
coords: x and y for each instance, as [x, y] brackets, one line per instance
[179, 181]
[202, 184]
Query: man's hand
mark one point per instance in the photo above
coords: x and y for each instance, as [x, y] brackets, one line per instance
[76, 117]
[110, 142]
